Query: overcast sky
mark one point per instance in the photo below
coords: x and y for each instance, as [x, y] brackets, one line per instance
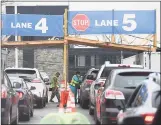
[76, 6]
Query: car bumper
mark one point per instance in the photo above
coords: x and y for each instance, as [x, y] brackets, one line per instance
[37, 99]
[110, 115]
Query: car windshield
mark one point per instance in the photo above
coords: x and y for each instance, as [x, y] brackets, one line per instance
[21, 73]
[130, 79]
[107, 71]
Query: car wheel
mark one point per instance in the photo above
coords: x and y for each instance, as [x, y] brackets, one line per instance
[91, 112]
[27, 116]
[41, 103]
[47, 99]
[95, 117]
[84, 104]
[44, 102]
[32, 112]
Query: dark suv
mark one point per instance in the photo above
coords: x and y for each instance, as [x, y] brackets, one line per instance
[117, 89]
[88, 79]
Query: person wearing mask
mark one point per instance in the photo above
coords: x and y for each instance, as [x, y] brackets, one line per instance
[75, 84]
[55, 88]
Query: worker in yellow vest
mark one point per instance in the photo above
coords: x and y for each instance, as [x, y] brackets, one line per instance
[55, 88]
[75, 84]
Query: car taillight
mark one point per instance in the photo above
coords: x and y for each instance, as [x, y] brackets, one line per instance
[36, 81]
[89, 81]
[20, 95]
[123, 65]
[4, 94]
[113, 94]
[148, 118]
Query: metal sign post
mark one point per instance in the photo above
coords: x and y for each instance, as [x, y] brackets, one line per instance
[66, 48]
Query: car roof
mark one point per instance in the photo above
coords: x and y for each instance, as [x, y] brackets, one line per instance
[131, 70]
[94, 69]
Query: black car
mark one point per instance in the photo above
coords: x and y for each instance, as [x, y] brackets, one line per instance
[117, 89]
[88, 79]
[26, 102]
[9, 102]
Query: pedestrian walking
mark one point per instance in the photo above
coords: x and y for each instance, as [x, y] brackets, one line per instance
[75, 84]
[55, 88]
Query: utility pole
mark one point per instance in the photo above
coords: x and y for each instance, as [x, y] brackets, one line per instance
[16, 39]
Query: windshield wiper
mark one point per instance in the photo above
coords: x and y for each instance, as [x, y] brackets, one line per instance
[130, 87]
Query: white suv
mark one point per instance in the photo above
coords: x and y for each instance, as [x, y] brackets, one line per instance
[29, 75]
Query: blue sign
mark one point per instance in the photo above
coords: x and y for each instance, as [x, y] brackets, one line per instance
[112, 22]
[32, 25]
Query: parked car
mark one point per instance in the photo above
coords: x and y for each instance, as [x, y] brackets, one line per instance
[27, 74]
[39, 93]
[9, 102]
[101, 77]
[143, 103]
[87, 80]
[118, 87]
[26, 102]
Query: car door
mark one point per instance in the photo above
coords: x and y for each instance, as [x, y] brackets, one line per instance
[13, 95]
[28, 93]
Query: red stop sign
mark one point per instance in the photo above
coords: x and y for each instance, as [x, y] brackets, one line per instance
[80, 22]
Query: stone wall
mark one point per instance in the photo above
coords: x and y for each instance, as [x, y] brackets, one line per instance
[11, 58]
[50, 60]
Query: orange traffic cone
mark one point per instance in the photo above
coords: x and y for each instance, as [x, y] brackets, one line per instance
[70, 103]
[61, 108]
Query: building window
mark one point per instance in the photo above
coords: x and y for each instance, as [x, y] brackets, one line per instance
[81, 60]
[93, 61]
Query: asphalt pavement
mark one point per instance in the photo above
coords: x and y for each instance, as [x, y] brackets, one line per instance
[51, 107]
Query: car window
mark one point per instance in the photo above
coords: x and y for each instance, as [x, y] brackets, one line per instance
[21, 73]
[107, 70]
[94, 73]
[142, 96]
[7, 82]
[156, 99]
[133, 96]
[130, 79]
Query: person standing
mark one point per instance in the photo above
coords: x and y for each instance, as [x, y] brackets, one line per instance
[75, 84]
[55, 88]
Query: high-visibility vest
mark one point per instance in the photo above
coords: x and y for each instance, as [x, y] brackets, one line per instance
[75, 80]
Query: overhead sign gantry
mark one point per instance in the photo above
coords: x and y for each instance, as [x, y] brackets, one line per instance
[80, 22]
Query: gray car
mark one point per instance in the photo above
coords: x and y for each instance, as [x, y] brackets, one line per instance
[143, 103]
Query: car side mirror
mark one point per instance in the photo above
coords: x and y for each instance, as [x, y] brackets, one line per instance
[16, 85]
[90, 77]
[46, 80]
[32, 88]
[136, 119]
